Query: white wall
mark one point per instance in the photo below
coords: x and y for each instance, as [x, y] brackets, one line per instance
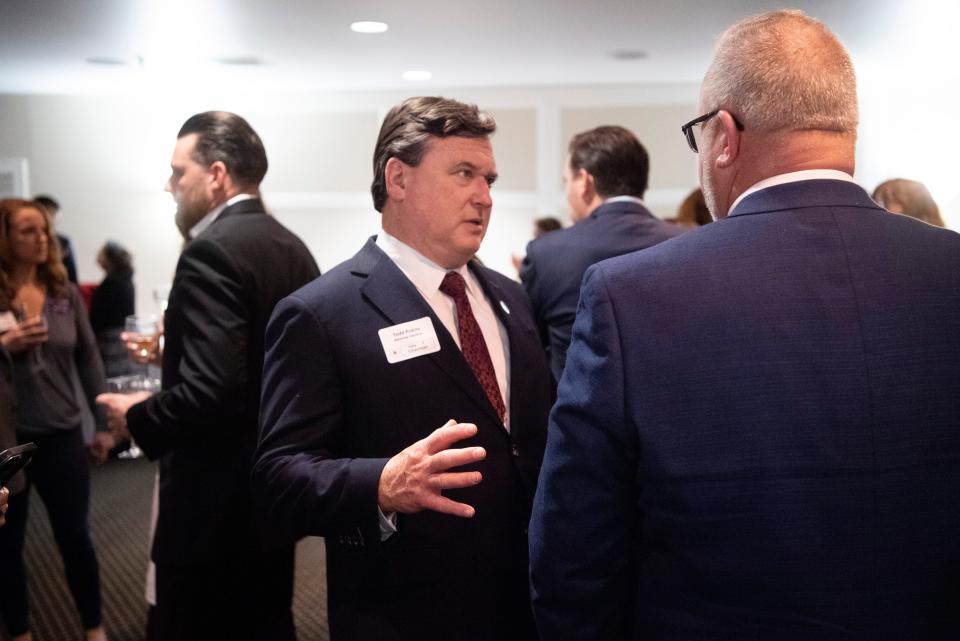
[106, 159]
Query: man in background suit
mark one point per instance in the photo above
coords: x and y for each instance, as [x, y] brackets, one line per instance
[66, 247]
[605, 177]
[218, 575]
[377, 369]
[756, 432]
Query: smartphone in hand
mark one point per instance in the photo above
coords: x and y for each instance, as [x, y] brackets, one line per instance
[14, 459]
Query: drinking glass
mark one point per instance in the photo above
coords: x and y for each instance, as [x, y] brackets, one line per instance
[144, 330]
[161, 294]
[37, 361]
[35, 355]
[130, 384]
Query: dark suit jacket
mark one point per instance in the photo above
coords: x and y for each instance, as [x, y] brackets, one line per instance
[203, 424]
[334, 412]
[756, 433]
[555, 263]
[69, 262]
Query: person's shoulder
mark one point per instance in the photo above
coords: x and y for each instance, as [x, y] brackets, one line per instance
[68, 293]
[552, 242]
[688, 245]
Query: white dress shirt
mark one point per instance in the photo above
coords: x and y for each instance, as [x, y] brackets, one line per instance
[207, 220]
[792, 177]
[625, 199]
[426, 276]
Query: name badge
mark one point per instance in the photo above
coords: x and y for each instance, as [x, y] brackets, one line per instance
[7, 321]
[409, 340]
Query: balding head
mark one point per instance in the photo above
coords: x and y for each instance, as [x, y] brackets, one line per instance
[785, 97]
[783, 71]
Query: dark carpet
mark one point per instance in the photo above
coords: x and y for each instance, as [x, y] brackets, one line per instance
[119, 521]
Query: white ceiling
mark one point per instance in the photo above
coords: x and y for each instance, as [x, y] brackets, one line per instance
[170, 45]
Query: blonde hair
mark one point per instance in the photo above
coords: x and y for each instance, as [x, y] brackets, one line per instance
[912, 197]
[783, 71]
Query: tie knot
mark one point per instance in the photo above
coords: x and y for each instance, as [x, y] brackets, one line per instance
[453, 285]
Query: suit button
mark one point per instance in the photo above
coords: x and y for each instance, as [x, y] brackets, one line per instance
[515, 449]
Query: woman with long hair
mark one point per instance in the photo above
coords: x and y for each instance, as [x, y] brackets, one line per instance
[49, 340]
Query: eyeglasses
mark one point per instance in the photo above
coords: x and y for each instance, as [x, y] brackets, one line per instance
[688, 130]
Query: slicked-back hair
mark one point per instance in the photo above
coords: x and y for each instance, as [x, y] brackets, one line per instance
[783, 71]
[227, 137]
[614, 157]
[408, 128]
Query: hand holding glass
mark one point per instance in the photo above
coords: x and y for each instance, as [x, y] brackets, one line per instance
[142, 338]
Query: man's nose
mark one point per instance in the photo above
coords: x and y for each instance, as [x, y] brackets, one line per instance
[483, 196]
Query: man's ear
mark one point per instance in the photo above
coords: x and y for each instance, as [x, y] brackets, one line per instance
[218, 174]
[588, 185]
[728, 139]
[395, 177]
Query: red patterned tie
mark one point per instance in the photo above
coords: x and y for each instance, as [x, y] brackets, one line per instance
[471, 341]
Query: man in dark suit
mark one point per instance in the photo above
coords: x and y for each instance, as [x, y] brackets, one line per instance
[756, 432]
[66, 247]
[374, 371]
[218, 575]
[605, 177]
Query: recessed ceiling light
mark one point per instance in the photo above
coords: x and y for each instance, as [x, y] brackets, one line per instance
[106, 60]
[417, 75]
[240, 61]
[628, 54]
[368, 26]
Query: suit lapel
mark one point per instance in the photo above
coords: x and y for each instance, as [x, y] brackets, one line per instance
[397, 299]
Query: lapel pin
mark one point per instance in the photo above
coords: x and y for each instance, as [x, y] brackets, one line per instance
[504, 306]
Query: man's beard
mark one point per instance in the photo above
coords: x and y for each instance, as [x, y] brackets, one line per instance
[186, 217]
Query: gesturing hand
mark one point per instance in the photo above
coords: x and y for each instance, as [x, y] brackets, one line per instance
[117, 406]
[413, 479]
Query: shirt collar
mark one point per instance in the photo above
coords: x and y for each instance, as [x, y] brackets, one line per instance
[425, 274]
[792, 177]
[208, 220]
[625, 199]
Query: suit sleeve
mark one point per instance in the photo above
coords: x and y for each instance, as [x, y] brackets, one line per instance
[213, 363]
[584, 523]
[300, 481]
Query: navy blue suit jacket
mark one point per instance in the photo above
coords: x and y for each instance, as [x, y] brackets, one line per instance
[756, 435]
[334, 412]
[555, 263]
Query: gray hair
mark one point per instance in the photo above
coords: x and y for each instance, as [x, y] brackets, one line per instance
[783, 71]
[409, 127]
